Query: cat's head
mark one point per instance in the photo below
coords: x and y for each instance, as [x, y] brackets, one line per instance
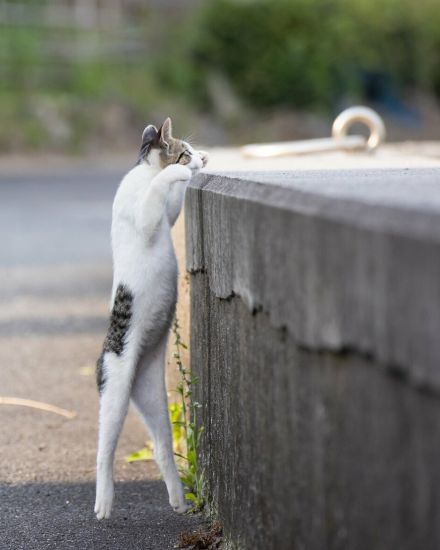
[159, 149]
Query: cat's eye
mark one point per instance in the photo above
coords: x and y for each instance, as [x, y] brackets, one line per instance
[183, 154]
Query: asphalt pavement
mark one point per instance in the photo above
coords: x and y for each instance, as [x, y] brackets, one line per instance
[55, 280]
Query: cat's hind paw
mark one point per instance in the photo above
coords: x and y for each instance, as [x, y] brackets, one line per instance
[182, 508]
[178, 502]
[104, 503]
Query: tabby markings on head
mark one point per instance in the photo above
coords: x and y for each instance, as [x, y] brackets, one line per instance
[171, 150]
[176, 153]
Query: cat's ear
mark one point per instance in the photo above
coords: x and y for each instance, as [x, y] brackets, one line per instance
[149, 135]
[165, 132]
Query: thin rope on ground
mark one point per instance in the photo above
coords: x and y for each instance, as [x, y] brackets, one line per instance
[37, 405]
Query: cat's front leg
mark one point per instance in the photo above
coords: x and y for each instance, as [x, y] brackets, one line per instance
[152, 207]
[173, 173]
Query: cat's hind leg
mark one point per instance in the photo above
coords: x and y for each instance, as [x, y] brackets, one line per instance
[149, 397]
[115, 373]
[114, 400]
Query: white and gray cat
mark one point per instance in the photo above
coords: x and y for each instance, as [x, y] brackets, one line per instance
[132, 363]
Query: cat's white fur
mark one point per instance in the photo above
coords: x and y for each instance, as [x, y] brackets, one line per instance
[145, 208]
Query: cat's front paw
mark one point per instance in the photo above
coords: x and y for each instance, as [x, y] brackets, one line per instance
[104, 501]
[205, 157]
[198, 161]
[176, 172]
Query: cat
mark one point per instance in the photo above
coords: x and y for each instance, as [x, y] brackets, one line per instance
[144, 294]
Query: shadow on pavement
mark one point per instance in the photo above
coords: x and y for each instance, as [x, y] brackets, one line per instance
[59, 516]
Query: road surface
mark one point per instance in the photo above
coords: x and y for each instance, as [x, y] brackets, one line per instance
[55, 275]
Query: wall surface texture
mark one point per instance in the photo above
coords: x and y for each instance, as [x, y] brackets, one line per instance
[315, 315]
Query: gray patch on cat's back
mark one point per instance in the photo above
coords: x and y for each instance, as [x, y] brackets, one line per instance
[119, 325]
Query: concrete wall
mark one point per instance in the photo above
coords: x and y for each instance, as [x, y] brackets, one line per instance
[316, 339]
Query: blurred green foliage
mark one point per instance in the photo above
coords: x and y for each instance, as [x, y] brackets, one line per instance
[306, 53]
[63, 85]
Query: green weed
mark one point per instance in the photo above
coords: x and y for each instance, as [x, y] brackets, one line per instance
[186, 434]
[146, 453]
